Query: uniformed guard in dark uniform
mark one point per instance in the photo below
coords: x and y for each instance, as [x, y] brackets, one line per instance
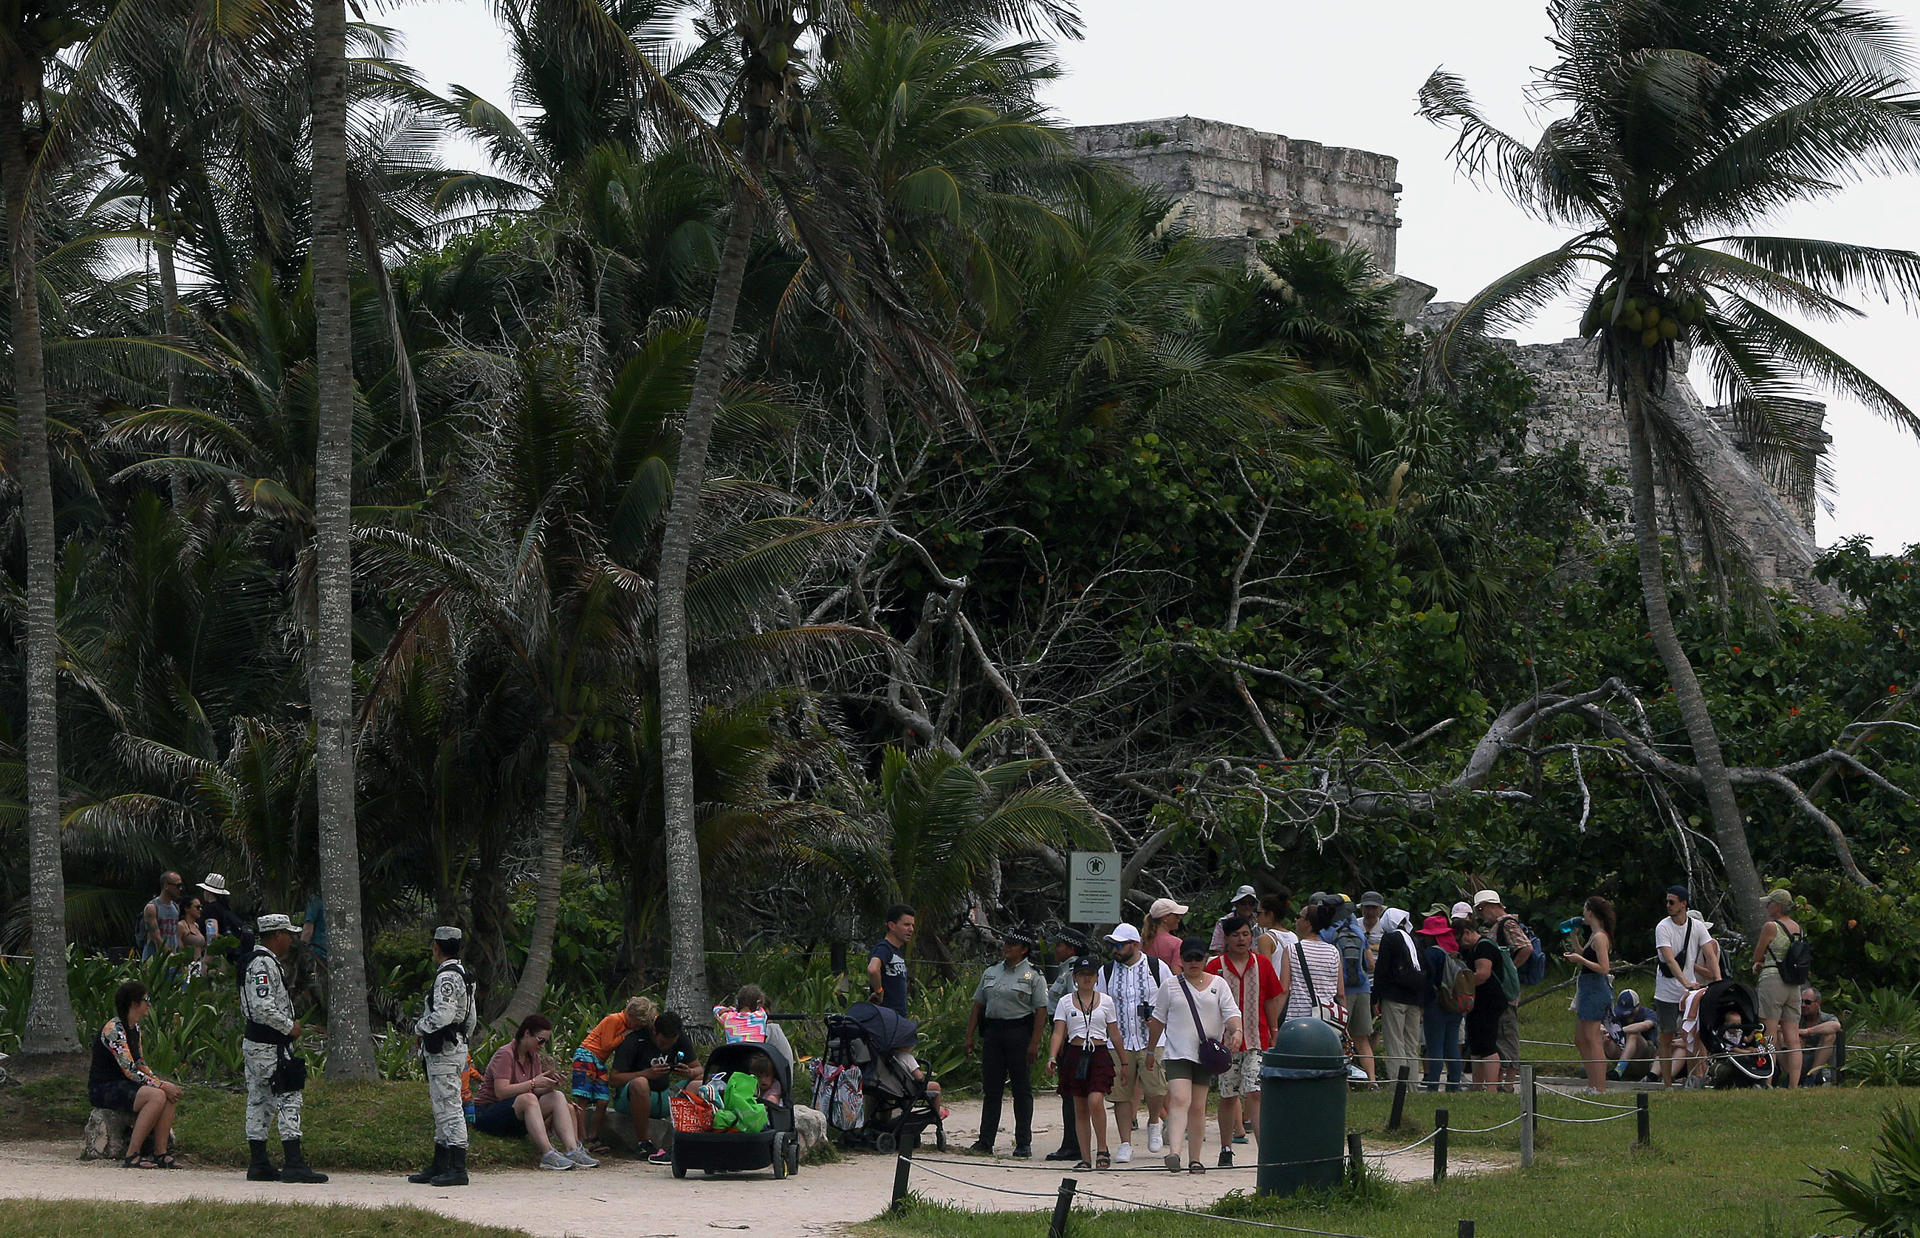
[444, 1031]
[1010, 1014]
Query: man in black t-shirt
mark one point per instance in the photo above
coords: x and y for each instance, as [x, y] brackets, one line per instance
[1489, 1003]
[887, 965]
[651, 1064]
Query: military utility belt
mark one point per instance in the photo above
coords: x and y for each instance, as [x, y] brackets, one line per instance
[261, 1034]
[441, 1039]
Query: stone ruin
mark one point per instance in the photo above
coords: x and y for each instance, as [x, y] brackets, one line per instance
[1238, 184]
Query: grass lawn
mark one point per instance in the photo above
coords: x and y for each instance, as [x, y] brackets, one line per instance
[205, 1219]
[1722, 1163]
[378, 1127]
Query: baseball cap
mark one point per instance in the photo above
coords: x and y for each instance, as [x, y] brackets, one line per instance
[1485, 896]
[1086, 963]
[1123, 932]
[1165, 907]
[1459, 911]
[1244, 893]
[1372, 899]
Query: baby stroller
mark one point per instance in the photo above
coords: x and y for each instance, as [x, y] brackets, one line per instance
[733, 1151]
[865, 1091]
[1738, 1053]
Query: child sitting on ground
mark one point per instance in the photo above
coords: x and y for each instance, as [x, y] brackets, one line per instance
[595, 1055]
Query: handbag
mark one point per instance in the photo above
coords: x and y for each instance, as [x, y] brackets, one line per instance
[289, 1073]
[1214, 1058]
[1329, 1011]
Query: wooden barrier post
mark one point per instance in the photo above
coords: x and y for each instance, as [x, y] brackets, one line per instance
[1356, 1162]
[1439, 1145]
[1527, 1100]
[902, 1167]
[1399, 1100]
[1062, 1205]
[1466, 1229]
[1642, 1120]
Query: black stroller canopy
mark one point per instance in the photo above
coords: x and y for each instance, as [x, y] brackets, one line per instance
[884, 1029]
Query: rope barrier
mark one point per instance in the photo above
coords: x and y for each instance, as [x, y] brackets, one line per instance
[1408, 1148]
[1585, 1100]
[917, 1163]
[1483, 1130]
[1548, 1117]
[1214, 1216]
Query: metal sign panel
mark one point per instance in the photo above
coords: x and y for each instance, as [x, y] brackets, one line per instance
[1093, 887]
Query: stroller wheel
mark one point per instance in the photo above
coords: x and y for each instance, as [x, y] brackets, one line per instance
[779, 1155]
[884, 1142]
[793, 1157]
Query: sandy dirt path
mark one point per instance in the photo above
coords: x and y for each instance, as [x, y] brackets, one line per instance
[634, 1200]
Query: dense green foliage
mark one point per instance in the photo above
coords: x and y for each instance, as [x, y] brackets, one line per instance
[1210, 568]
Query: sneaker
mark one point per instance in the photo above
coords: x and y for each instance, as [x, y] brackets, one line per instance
[1173, 1161]
[643, 1149]
[660, 1156]
[555, 1160]
[1123, 1154]
[579, 1157]
[1023, 1153]
[1239, 1138]
[1155, 1141]
[1226, 1158]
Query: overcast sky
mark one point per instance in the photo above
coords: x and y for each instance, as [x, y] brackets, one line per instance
[1345, 74]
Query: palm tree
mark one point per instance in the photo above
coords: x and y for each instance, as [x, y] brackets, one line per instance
[349, 1034]
[767, 147]
[929, 830]
[1682, 124]
[31, 36]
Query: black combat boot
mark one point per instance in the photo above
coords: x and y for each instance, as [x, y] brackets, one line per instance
[261, 1169]
[455, 1174]
[434, 1170]
[296, 1168]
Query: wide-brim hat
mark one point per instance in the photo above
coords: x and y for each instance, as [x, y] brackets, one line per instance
[274, 923]
[1486, 896]
[1243, 894]
[1372, 899]
[215, 884]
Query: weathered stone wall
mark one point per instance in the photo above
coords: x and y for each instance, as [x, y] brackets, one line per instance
[1571, 406]
[1239, 182]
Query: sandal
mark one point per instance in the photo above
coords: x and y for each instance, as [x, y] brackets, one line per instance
[1080, 1165]
[139, 1162]
[1103, 1161]
[165, 1161]
[1195, 1167]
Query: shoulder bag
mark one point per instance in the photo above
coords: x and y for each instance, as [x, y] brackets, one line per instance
[1214, 1058]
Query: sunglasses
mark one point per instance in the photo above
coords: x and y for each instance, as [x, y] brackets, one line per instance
[543, 1041]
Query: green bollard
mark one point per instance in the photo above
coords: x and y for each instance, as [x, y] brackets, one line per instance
[1303, 1109]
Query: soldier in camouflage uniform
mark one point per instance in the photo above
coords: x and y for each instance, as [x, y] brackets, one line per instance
[270, 1033]
[444, 1030]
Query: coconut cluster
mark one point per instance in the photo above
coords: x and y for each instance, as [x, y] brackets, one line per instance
[1649, 318]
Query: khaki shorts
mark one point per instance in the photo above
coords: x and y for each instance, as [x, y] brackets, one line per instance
[1360, 1014]
[1779, 1000]
[1509, 1036]
[1152, 1083]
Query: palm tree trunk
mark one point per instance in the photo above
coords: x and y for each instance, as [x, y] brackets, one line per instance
[532, 986]
[390, 312]
[687, 977]
[158, 198]
[349, 1044]
[1729, 827]
[50, 1026]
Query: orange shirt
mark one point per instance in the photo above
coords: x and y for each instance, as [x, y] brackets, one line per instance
[606, 1036]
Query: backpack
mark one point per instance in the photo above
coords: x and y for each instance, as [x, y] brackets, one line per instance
[1797, 963]
[1352, 945]
[1154, 967]
[1505, 972]
[1455, 989]
[1534, 970]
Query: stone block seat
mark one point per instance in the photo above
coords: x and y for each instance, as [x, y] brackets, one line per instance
[106, 1135]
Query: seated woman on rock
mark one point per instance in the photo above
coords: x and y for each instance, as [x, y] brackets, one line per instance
[120, 1079]
[522, 1093]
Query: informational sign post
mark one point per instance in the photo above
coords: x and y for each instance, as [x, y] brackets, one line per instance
[1093, 887]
